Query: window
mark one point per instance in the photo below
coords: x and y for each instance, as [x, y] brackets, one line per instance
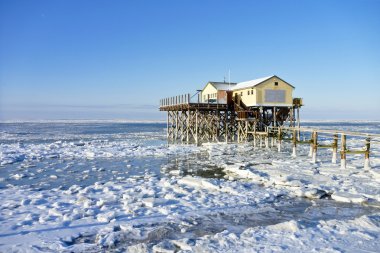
[275, 83]
[248, 92]
[241, 94]
[275, 96]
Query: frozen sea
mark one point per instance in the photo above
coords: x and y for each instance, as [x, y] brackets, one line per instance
[116, 187]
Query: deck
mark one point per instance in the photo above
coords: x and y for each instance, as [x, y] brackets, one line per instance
[186, 102]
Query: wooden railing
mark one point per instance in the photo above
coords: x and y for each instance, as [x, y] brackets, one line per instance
[176, 100]
[278, 133]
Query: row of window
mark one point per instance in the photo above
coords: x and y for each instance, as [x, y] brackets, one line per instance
[213, 95]
[249, 92]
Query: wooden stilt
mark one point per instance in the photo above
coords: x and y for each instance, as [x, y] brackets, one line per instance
[167, 127]
[188, 127]
[196, 128]
[298, 123]
[279, 137]
[246, 132]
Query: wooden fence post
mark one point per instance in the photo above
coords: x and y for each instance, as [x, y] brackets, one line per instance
[279, 139]
[294, 154]
[343, 152]
[335, 148]
[367, 164]
[315, 147]
[311, 145]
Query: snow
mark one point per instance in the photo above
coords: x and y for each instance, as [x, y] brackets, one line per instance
[247, 199]
[251, 83]
[357, 235]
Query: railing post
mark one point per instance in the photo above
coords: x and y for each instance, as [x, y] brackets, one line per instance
[343, 152]
[294, 154]
[311, 144]
[315, 146]
[335, 148]
[367, 164]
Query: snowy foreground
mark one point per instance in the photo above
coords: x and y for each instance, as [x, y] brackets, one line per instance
[213, 198]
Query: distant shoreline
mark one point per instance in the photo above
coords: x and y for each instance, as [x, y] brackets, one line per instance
[99, 121]
[85, 121]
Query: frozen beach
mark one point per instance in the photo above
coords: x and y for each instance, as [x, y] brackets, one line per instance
[114, 186]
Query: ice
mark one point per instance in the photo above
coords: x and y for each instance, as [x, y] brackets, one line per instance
[70, 191]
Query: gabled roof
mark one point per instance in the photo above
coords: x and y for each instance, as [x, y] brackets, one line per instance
[256, 82]
[243, 85]
[223, 85]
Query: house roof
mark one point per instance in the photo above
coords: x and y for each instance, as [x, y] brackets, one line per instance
[256, 82]
[251, 83]
[243, 85]
[223, 85]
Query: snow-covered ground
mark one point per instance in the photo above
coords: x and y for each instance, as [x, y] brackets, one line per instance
[94, 187]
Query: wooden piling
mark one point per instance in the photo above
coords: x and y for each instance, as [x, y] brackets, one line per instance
[315, 146]
[279, 137]
[343, 150]
[334, 148]
[298, 123]
[367, 164]
[311, 145]
[196, 128]
[294, 137]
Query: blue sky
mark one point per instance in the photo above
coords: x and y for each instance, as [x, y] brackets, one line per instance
[116, 59]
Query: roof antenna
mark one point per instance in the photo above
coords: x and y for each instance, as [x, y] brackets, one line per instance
[229, 79]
